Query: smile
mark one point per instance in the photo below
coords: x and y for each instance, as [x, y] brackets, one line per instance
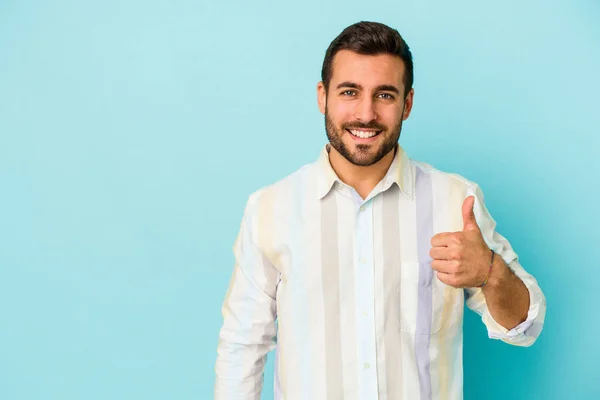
[363, 134]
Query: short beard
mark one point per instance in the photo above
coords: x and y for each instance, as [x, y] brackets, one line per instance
[361, 156]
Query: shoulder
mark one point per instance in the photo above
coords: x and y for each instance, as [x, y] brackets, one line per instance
[295, 182]
[445, 178]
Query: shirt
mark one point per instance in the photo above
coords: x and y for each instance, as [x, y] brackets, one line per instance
[342, 288]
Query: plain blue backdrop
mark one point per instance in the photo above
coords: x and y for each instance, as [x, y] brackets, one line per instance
[132, 132]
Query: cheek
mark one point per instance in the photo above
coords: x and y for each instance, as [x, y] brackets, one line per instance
[340, 113]
[390, 116]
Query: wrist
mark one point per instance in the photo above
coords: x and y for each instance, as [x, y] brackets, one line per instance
[497, 274]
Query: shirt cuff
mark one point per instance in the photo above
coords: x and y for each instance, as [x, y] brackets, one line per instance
[526, 332]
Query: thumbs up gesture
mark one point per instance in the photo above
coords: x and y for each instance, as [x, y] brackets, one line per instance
[461, 259]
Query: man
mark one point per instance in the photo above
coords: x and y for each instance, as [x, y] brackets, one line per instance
[366, 257]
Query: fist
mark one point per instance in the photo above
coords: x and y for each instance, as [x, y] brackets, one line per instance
[461, 259]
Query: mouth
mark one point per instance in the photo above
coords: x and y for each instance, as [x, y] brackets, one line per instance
[363, 135]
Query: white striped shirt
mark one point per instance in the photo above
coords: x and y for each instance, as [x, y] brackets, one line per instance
[343, 288]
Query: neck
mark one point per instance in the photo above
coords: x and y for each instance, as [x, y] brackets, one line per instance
[362, 179]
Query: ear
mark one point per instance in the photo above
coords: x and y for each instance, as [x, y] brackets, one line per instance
[408, 103]
[321, 97]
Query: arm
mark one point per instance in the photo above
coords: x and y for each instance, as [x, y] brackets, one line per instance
[506, 296]
[249, 312]
[511, 303]
[512, 307]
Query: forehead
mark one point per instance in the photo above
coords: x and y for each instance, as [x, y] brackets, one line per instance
[367, 70]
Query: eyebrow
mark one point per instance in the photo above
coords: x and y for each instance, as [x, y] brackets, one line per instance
[389, 88]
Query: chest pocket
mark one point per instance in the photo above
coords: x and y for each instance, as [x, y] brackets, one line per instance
[424, 304]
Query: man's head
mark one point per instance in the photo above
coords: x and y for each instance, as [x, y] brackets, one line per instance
[366, 91]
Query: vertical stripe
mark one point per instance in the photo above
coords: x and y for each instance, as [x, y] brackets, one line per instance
[392, 351]
[409, 277]
[365, 300]
[298, 354]
[447, 197]
[424, 198]
[382, 310]
[348, 297]
[310, 293]
[331, 298]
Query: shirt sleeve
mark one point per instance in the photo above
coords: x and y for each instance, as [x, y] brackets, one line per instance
[526, 333]
[249, 312]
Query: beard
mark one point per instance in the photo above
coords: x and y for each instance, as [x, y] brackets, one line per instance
[364, 154]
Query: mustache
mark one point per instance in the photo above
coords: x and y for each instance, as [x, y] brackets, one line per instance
[361, 125]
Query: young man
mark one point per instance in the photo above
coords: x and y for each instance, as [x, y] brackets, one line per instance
[366, 257]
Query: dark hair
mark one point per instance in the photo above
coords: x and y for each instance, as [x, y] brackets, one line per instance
[369, 38]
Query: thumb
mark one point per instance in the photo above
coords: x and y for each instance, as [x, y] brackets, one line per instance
[469, 222]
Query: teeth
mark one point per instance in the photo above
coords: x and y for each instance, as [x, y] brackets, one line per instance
[363, 134]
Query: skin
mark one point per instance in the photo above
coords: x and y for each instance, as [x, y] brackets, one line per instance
[366, 92]
[462, 260]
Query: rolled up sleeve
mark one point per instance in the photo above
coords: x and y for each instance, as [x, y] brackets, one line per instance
[526, 333]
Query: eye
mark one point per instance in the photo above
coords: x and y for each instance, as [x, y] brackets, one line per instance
[386, 96]
[348, 93]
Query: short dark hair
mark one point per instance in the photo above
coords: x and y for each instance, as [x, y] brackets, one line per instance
[369, 38]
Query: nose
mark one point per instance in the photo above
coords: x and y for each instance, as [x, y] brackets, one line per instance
[365, 110]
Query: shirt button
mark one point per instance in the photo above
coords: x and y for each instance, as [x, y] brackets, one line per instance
[363, 260]
[362, 208]
[367, 365]
[365, 314]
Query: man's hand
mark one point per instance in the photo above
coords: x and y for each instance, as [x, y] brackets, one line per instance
[461, 259]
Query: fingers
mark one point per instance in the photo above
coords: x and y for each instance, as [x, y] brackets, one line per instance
[447, 272]
[446, 253]
[444, 266]
[449, 279]
[444, 239]
[441, 253]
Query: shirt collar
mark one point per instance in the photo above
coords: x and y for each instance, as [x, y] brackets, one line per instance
[400, 173]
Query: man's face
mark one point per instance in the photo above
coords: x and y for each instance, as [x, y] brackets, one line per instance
[364, 105]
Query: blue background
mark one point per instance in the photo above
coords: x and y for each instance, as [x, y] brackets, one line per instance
[131, 134]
